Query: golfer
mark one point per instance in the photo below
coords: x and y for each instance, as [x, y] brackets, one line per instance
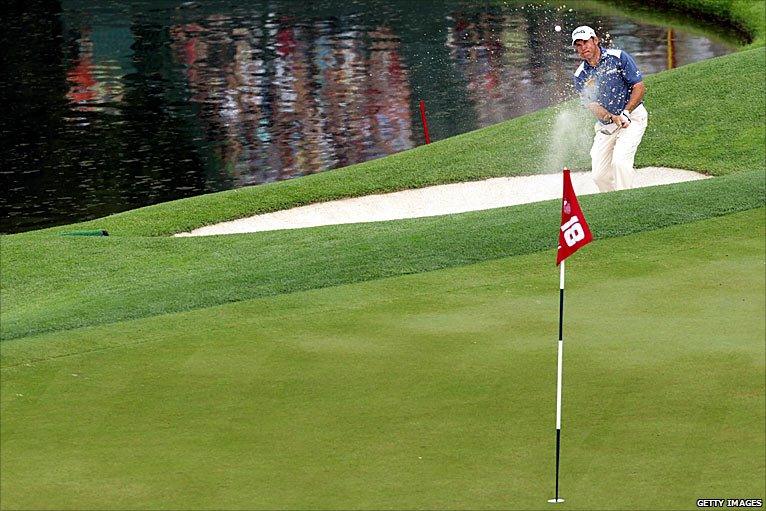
[612, 88]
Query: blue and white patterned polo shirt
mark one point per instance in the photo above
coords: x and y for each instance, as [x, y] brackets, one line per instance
[611, 82]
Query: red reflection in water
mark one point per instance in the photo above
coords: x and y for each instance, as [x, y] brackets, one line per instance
[82, 84]
[94, 85]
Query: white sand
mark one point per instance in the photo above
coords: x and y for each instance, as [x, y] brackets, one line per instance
[433, 201]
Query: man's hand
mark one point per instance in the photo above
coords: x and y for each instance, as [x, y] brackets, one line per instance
[622, 120]
[605, 116]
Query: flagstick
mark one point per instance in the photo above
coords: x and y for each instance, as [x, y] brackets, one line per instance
[559, 382]
[573, 235]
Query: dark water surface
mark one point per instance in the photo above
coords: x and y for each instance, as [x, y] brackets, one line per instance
[112, 105]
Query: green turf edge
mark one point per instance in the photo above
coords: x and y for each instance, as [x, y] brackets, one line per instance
[748, 17]
[706, 116]
[88, 281]
[723, 31]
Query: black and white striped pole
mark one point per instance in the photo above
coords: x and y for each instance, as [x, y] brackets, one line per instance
[559, 383]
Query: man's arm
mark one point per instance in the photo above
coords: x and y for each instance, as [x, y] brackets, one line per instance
[636, 95]
[601, 113]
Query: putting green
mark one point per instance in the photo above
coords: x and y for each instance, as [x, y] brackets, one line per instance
[434, 390]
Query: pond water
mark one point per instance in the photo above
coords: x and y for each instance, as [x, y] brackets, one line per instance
[117, 105]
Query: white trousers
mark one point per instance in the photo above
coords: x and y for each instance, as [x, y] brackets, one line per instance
[612, 155]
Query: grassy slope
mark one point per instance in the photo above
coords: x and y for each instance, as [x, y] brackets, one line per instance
[706, 116]
[87, 281]
[423, 391]
[695, 121]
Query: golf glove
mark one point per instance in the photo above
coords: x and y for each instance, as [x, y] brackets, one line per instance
[625, 116]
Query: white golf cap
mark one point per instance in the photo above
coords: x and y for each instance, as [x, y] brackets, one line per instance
[584, 32]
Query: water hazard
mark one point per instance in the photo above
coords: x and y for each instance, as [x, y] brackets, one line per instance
[117, 105]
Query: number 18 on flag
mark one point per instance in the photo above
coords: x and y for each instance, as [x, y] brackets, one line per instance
[573, 235]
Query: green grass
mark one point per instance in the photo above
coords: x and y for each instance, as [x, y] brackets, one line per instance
[429, 391]
[87, 281]
[688, 129]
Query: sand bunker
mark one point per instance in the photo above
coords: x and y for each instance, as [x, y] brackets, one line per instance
[433, 201]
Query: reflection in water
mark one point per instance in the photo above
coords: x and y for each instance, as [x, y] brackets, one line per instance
[133, 103]
[288, 98]
[510, 65]
[95, 81]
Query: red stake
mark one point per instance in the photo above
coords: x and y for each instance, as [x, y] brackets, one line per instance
[425, 122]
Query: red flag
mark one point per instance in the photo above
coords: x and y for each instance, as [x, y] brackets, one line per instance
[574, 233]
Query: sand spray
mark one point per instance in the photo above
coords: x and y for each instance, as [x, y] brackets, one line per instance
[569, 139]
